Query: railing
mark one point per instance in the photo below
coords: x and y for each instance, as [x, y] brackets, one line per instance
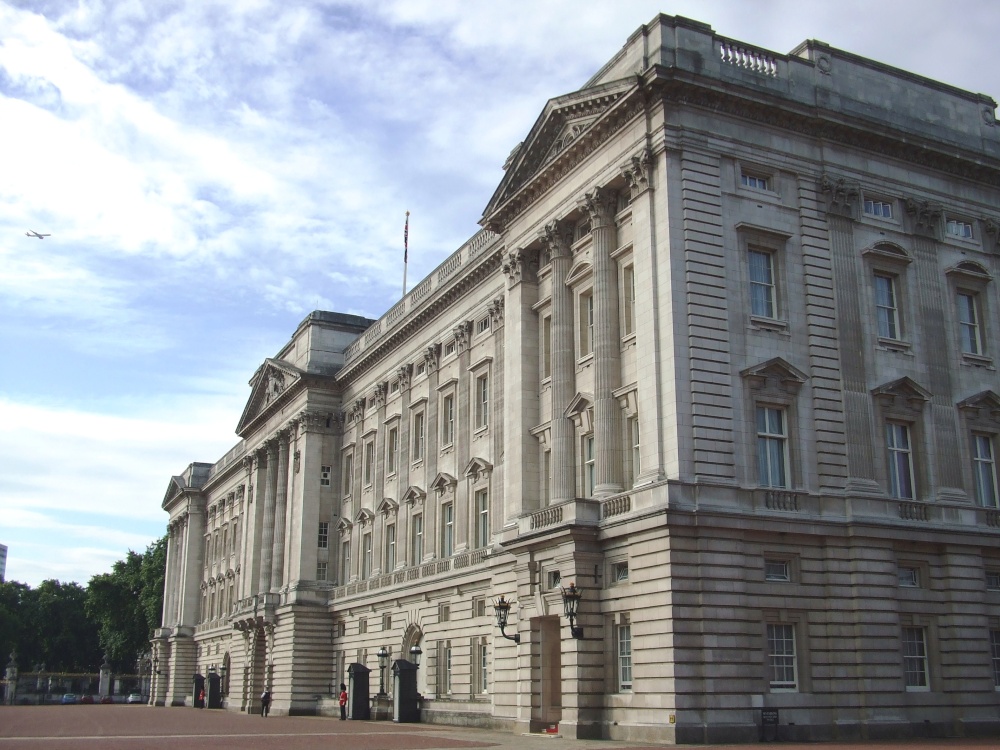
[781, 500]
[546, 517]
[235, 453]
[616, 506]
[913, 512]
[748, 58]
[412, 573]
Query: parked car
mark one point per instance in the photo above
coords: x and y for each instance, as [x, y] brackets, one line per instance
[134, 698]
[87, 699]
[107, 699]
[68, 698]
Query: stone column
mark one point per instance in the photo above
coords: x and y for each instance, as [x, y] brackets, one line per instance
[403, 469]
[464, 410]
[558, 238]
[600, 204]
[267, 538]
[169, 585]
[280, 510]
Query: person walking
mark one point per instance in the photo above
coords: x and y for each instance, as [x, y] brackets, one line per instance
[343, 701]
[265, 703]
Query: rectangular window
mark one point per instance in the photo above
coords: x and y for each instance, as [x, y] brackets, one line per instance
[554, 579]
[908, 577]
[444, 612]
[345, 561]
[447, 667]
[391, 450]
[479, 606]
[366, 555]
[776, 570]
[985, 468]
[348, 473]
[449, 348]
[762, 288]
[324, 476]
[481, 660]
[362, 629]
[546, 347]
[624, 642]
[628, 300]
[321, 570]
[394, 386]
[417, 539]
[897, 439]
[586, 323]
[619, 572]
[772, 447]
[632, 435]
[589, 466]
[482, 400]
[993, 580]
[482, 518]
[781, 657]
[447, 530]
[420, 368]
[754, 181]
[386, 621]
[448, 420]
[968, 323]
[959, 228]
[368, 471]
[915, 658]
[546, 477]
[882, 209]
[323, 537]
[995, 656]
[886, 309]
[390, 548]
[418, 436]
[483, 325]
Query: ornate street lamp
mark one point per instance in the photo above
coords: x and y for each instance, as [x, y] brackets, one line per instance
[571, 601]
[383, 662]
[502, 608]
[415, 652]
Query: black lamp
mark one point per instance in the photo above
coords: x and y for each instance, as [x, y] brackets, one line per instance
[383, 662]
[415, 652]
[502, 608]
[571, 600]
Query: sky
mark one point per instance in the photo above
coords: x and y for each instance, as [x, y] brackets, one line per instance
[211, 171]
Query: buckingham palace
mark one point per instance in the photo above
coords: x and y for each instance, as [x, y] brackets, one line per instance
[698, 433]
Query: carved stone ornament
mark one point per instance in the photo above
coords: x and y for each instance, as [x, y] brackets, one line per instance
[463, 335]
[496, 313]
[992, 227]
[275, 386]
[636, 172]
[557, 237]
[356, 411]
[310, 421]
[600, 204]
[842, 195]
[297, 460]
[432, 357]
[405, 375]
[248, 463]
[926, 215]
[520, 265]
[381, 391]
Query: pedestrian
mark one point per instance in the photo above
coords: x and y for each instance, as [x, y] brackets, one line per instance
[343, 701]
[265, 703]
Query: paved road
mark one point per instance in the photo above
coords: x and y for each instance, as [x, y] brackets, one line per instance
[120, 727]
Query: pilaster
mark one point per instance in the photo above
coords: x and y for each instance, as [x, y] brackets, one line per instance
[270, 457]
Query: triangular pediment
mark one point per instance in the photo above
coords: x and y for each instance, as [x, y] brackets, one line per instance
[776, 373]
[414, 494]
[364, 517]
[476, 467]
[174, 488]
[443, 481]
[388, 506]
[563, 125]
[984, 405]
[581, 412]
[904, 390]
[270, 385]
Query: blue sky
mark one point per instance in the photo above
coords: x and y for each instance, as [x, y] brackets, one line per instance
[211, 171]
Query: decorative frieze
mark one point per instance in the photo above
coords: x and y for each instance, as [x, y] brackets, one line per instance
[925, 214]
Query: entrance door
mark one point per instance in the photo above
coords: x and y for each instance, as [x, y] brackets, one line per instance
[546, 673]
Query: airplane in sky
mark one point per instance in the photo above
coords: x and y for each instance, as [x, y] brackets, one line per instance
[33, 233]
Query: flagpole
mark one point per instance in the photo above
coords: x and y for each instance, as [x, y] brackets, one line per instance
[406, 248]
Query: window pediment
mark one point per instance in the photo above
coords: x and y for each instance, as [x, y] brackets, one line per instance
[984, 406]
[344, 527]
[364, 517]
[580, 271]
[414, 495]
[775, 374]
[581, 411]
[477, 467]
[904, 393]
[887, 252]
[388, 507]
[443, 482]
[969, 270]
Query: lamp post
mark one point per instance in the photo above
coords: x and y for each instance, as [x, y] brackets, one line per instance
[502, 609]
[383, 662]
[571, 601]
[415, 652]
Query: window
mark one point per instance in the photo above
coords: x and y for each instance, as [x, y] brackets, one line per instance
[754, 181]
[619, 572]
[480, 665]
[882, 209]
[586, 323]
[772, 450]
[993, 580]
[781, 657]
[449, 348]
[546, 477]
[394, 386]
[348, 473]
[390, 548]
[776, 570]
[915, 658]
[366, 555]
[362, 629]
[345, 561]
[417, 542]
[420, 368]
[482, 400]
[324, 476]
[418, 436]
[446, 668]
[368, 471]
[323, 537]
[554, 579]
[386, 621]
[959, 228]
[482, 518]
[995, 656]
[628, 300]
[483, 325]
[391, 450]
[444, 612]
[546, 347]
[970, 334]
[909, 577]
[886, 309]
[624, 656]
[589, 466]
[632, 435]
[479, 606]
[447, 530]
[762, 289]
[897, 439]
[985, 469]
[448, 420]
[321, 570]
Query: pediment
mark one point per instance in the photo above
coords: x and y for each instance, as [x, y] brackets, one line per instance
[476, 467]
[985, 404]
[581, 411]
[364, 517]
[565, 122]
[902, 391]
[388, 506]
[175, 488]
[443, 481]
[270, 385]
[580, 270]
[775, 373]
[344, 526]
[969, 269]
[413, 495]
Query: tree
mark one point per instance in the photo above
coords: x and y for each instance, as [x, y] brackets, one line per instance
[63, 635]
[15, 631]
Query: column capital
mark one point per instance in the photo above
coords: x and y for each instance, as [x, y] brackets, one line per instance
[496, 313]
[520, 265]
[309, 420]
[600, 203]
[637, 172]
[842, 194]
[557, 237]
[432, 357]
[926, 215]
[463, 335]
[405, 375]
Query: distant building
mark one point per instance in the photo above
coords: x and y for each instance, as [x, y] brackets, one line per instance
[3, 563]
[724, 356]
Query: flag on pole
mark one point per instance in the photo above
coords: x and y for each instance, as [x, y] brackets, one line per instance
[406, 238]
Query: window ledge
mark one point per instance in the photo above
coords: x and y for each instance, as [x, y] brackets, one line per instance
[918, 689]
[894, 345]
[976, 360]
[768, 324]
[585, 359]
[628, 340]
[480, 430]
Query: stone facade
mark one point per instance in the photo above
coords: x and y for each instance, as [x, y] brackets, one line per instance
[724, 356]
